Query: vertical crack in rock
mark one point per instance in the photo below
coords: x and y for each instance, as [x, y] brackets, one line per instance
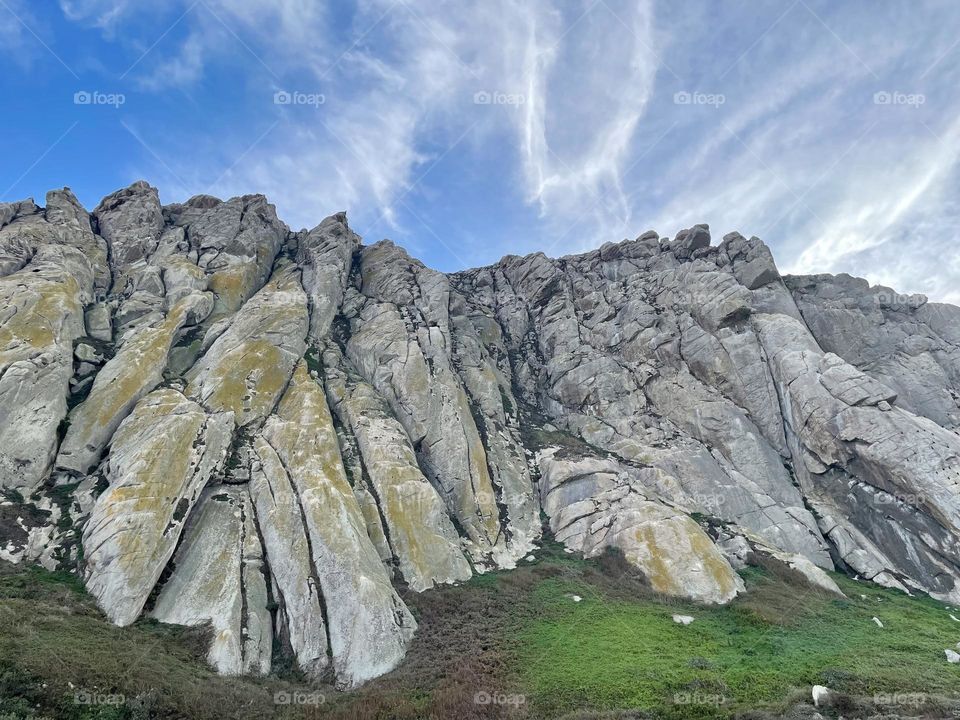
[283, 525]
[41, 315]
[164, 452]
[133, 372]
[421, 537]
[369, 627]
[248, 366]
[403, 350]
[217, 581]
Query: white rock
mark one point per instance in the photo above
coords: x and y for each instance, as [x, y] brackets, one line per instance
[247, 367]
[682, 619]
[403, 510]
[217, 579]
[821, 695]
[135, 370]
[161, 457]
[877, 621]
[952, 656]
[595, 503]
[370, 627]
[288, 552]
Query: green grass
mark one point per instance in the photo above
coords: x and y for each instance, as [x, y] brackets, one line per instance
[603, 654]
[513, 632]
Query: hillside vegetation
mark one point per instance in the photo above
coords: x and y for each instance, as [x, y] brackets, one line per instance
[558, 637]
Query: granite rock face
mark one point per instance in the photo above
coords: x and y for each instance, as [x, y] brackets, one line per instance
[282, 435]
[594, 503]
[217, 579]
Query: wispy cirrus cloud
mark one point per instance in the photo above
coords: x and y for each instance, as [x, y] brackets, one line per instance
[580, 122]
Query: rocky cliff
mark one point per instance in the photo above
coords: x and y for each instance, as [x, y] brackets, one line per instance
[216, 420]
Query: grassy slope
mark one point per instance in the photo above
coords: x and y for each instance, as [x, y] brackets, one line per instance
[509, 634]
[752, 653]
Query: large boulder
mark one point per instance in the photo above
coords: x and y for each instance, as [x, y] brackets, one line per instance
[595, 503]
[161, 457]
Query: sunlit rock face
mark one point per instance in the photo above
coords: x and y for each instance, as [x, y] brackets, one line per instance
[218, 421]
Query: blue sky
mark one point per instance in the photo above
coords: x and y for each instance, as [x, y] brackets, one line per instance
[470, 130]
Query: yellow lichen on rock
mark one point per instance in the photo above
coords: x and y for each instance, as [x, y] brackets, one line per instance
[161, 456]
[369, 626]
[415, 526]
[135, 370]
[38, 313]
[595, 503]
[233, 286]
[680, 560]
[247, 367]
[41, 315]
[246, 381]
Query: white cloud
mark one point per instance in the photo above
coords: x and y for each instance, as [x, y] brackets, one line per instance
[16, 41]
[409, 74]
[104, 14]
[798, 153]
[183, 69]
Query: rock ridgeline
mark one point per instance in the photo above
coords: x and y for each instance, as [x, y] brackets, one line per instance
[218, 421]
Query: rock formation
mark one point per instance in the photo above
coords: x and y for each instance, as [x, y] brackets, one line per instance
[216, 420]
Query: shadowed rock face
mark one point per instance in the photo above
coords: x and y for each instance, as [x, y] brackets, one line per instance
[265, 430]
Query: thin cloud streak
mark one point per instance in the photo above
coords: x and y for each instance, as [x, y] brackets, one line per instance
[554, 106]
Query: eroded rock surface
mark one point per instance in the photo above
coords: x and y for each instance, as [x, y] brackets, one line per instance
[218, 579]
[161, 458]
[595, 503]
[369, 625]
[270, 431]
[418, 530]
